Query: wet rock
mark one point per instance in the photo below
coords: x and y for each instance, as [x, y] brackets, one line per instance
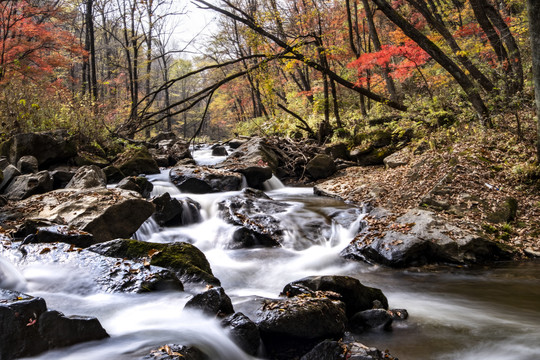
[136, 161]
[24, 186]
[254, 210]
[49, 147]
[201, 179]
[105, 213]
[60, 330]
[219, 151]
[17, 337]
[236, 143]
[243, 332]
[138, 184]
[177, 152]
[356, 296]
[28, 164]
[60, 233]
[321, 166]
[189, 263]
[108, 273]
[338, 350]
[9, 173]
[176, 352]
[426, 239]
[255, 160]
[294, 325]
[244, 238]
[175, 212]
[371, 319]
[87, 177]
[212, 302]
[113, 174]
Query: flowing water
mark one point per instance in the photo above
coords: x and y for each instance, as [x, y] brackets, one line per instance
[455, 313]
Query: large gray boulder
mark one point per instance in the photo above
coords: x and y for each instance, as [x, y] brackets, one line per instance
[87, 177]
[421, 237]
[136, 161]
[201, 179]
[49, 147]
[27, 328]
[28, 164]
[24, 186]
[105, 213]
[255, 160]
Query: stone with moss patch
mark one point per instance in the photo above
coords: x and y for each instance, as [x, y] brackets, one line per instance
[186, 260]
[136, 161]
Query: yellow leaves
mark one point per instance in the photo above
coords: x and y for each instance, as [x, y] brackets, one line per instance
[167, 349]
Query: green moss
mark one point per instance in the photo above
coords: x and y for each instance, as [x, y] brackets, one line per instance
[135, 161]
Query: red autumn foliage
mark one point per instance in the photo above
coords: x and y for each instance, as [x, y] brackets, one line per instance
[400, 60]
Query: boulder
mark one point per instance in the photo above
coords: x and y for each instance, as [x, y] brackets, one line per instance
[24, 186]
[176, 212]
[60, 233]
[28, 164]
[255, 160]
[399, 158]
[255, 211]
[356, 296]
[505, 212]
[9, 174]
[339, 350]
[136, 161]
[113, 174]
[236, 143]
[189, 263]
[177, 152]
[60, 330]
[91, 269]
[84, 158]
[219, 151]
[176, 352]
[244, 238]
[61, 177]
[49, 147]
[138, 184]
[337, 151]
[165, 135]
[420, 237]
[27, 328]
[105, 213]
[4, 162]
[88, 177]
[243, 332]
[212, 302]
[202, 179]
[321, 166]
[296, 324]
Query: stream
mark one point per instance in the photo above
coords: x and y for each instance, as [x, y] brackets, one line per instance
[455, 313]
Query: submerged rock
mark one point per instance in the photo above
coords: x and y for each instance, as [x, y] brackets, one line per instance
[60, 233]
[201, 179]
[186, 260]
[27, 328]
[421, 237]
[176, 352]
[371, 319]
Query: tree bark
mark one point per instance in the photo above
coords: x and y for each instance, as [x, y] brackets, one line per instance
[534, 32]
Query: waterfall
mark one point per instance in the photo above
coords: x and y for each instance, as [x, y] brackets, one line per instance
[10, 277]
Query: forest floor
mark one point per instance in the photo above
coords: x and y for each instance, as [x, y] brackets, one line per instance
[468, 175]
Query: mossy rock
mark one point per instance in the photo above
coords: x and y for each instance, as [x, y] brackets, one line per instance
[375, 156]
[505, 213]
[136, 161]
[85, 158]
[189, 263]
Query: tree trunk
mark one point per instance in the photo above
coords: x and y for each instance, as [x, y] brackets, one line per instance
[534, 32]
[91, 48]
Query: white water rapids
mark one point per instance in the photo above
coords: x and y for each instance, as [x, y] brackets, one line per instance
[488, 313]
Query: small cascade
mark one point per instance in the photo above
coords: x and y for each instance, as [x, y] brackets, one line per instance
[10, 277]
[149, 231]
[273, 184]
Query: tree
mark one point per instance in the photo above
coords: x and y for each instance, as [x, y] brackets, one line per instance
[534, 33]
